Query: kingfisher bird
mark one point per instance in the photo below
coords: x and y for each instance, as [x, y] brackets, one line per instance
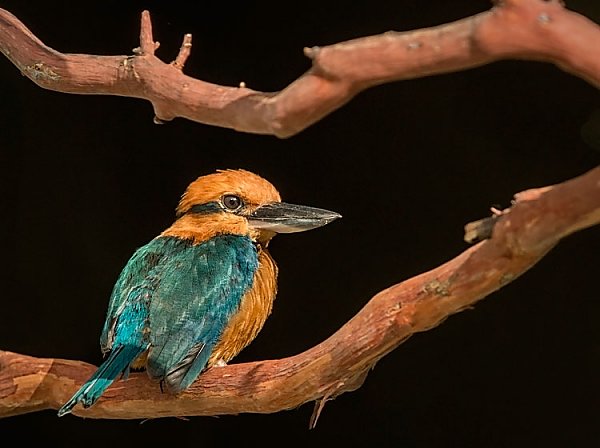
[198, 293]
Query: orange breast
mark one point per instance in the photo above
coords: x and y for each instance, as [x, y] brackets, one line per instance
[254, 309]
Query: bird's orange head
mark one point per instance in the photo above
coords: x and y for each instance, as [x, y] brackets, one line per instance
[241, 203]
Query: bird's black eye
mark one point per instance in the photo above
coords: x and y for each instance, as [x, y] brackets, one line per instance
[232, 202]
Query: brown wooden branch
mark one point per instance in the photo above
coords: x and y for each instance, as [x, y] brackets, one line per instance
[512, 29]
[522, 235]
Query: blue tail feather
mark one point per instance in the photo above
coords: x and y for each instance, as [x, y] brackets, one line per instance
[117, 362]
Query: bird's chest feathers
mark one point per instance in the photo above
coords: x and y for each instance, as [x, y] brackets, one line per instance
[254, 309]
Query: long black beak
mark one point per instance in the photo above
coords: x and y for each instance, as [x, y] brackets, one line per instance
[280, 217]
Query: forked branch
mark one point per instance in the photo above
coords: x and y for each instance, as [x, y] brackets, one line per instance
[522, 235]
[513, 29]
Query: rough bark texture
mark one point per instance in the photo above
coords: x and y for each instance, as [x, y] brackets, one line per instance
[514, 29]
[522, 235]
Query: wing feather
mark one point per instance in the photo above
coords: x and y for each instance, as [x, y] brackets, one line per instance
[138, 278]
[200, 288]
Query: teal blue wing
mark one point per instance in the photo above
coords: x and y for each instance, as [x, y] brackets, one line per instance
[133, 288]
[200, 287]
[125, 336]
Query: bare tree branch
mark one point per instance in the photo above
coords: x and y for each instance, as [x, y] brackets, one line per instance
[512, 29]
[522, 235]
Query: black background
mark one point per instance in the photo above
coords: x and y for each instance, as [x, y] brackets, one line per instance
[88, 179]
